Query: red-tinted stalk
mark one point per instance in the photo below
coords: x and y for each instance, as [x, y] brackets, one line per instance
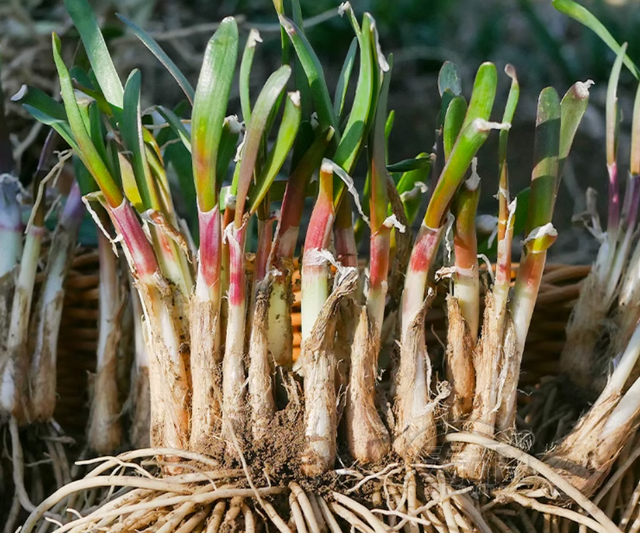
[318, 371]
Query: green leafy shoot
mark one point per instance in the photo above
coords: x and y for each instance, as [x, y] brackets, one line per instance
[245, 73]
[453, 123]
[161, 55]
[35, 98]
[83, 144]
[344, 78]
[449, 78]
[545, 160]
[347, 8]
[260, 118]
[585, 17]
[379, 176]
[315, 75]
[97, 133]
[363, 108]
[472, 136]
[412, 187]
[131, 130]
[483, 95]
[612, 110]
[449, 86]
[62, 127]
[407, 165]
[573, 106]
[504, 197]
[228, 145]
[85, 21]
[175, 123]
[279, 152]
[209, 109]
[507, 118]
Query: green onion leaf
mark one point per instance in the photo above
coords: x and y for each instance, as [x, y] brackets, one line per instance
[412, 187]
[131, 130]
[259, 122]
[279, 152]
[585, 17]
[35, 98]
[449, 78]
[245, 74]
[453, 123]
[176, 125]
[483, 95]
[161, 55]
[363, 109]
[85, 21]
[209, 109]
[85, 148]
[407, 165]
[545, 160]
[612, 111]
[315, 75]
[572, 108]
[343, 81]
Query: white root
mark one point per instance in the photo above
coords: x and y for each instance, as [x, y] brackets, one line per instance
[216, 518]
[306, 507]
[18, 466]
[543, 469]
[361, 510]
[350, 517]
[560, 511]
[296, 513]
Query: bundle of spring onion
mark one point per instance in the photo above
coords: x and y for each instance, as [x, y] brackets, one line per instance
[242, 435]
[31, 304]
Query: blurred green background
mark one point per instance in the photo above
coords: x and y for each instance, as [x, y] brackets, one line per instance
[546, 48]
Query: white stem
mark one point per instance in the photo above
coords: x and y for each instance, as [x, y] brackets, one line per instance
[467, 291]
[109, 301]
[626, 410]
[233, 372]
[141, 353]
[11, 249]
[412, 297]
[631, 281]
[280, 328]
[315, 291]
[625, 366]
[615, 272]
[13, 364]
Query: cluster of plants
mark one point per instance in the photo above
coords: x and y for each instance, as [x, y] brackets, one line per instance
[217, 391]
